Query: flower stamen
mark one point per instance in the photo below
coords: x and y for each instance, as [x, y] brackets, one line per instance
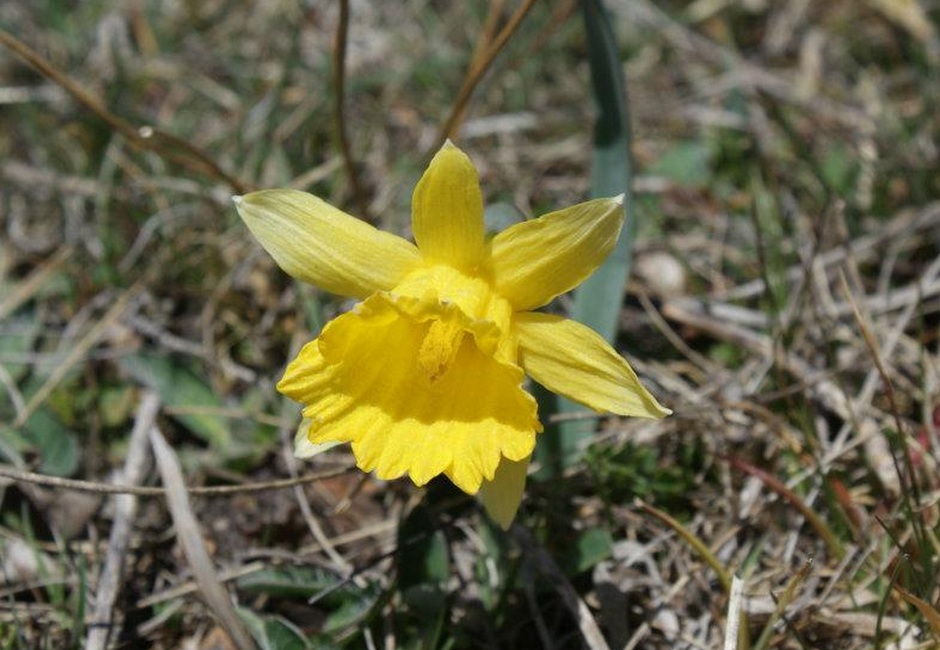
[441, 343]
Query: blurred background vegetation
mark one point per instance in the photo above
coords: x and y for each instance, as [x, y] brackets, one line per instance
[784, 302]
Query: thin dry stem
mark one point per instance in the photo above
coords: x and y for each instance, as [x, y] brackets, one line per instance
[215, 490]
[190, 538]
[339, 102]
[477, 70]
[146, 137]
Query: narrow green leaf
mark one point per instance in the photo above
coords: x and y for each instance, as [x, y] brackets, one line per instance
[288, 582]
[273, 632]
[597, 302]
[423, 571]
[499, 216]
[352, 607]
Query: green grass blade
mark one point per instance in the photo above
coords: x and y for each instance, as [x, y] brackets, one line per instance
[597, 302]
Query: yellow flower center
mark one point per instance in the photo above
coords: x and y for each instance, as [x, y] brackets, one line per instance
[417, 387]
[474, 297]
[439, 348]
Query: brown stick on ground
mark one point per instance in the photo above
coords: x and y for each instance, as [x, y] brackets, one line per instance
[125, 509]
[194, 548]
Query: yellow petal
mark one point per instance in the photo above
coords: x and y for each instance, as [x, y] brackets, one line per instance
[501, 496]
[303, 448]
[317, 243]
[372, 379]
[536, 260]
[573, 360]
[447, 210]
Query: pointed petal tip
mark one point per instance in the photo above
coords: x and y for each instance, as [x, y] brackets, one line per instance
[654, 410]
[571, 359]
[237, 199]
[538, 259]
[661, 412]
[304, 448]
[619, 199]
[447, 210]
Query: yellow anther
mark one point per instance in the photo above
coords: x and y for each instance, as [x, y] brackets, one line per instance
[441, 343]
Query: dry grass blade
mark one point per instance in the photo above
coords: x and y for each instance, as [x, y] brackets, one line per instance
[339, 96]
[163, 144]
[815, 521]
[34, 282]
[875, 354]
[135, 469]
[77, 353]
[910, 15]
[927, 610]
[187, 532]
[735, 602]
[789, 594]
[724, 576]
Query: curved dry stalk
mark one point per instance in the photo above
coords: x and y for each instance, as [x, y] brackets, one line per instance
[478, 68]
[211, 491]
[339, 100]
[190, 539]
[834, 546]
[148, 138]
[725, 577]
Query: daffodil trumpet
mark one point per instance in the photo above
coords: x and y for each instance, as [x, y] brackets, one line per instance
[425, 375]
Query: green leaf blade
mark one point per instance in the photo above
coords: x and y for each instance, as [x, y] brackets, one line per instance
[597, 302]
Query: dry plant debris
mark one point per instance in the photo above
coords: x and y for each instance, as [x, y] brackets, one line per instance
[785, 303]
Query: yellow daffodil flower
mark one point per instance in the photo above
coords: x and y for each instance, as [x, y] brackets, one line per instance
[425, 375]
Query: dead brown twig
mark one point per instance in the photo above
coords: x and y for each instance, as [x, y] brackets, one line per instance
[210, 491]
[478, 68]
[339, 100]
[165, 145]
